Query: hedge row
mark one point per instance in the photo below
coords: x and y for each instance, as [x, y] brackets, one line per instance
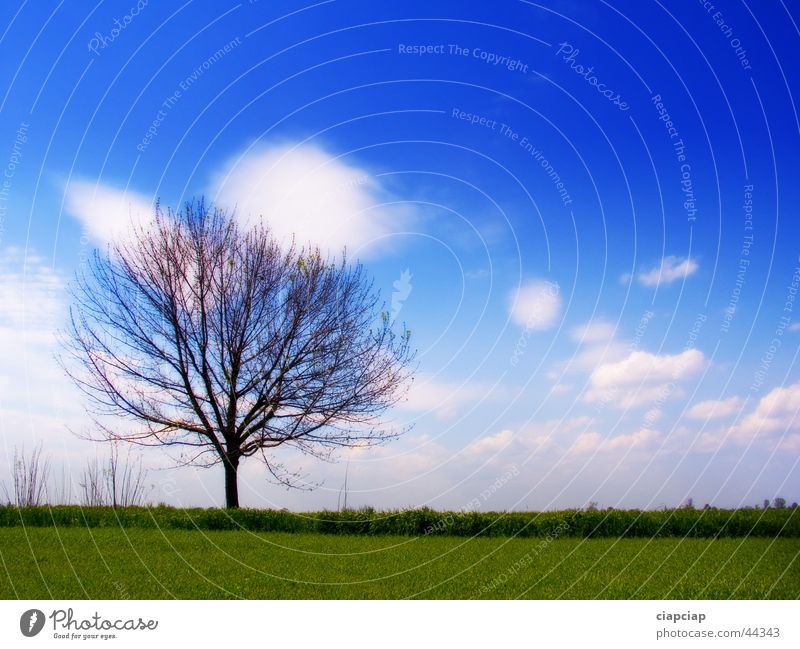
[703, 523]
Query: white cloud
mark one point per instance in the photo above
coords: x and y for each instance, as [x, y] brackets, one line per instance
[640, 440]
[480, 273]
[591, 355]
[795, 326]
[774, 420]
[444, 399]
[641, 366]
[536, 305]
[556, 441]
[591, 442]
[643, 378]
[561, 388]
[715, 408]
[560, 427]
[534, 437]
[31, 292]
[596, 344]
[776, 412]
[307, 192]
[34, 397]
[491, 444]
[780, 401]
[653, 415]
[301, 191]
[106, 212]
[587, 442]
[671, 269]
[790, 444]
[547, 435]
[594, 331]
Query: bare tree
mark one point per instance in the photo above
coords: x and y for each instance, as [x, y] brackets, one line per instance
[29, 478]
[59, 490]
[212, 336]
[93, 485]
[114, 483]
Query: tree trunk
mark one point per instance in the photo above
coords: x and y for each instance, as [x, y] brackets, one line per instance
[231, 484]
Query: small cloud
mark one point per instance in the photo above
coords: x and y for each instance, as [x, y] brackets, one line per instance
[491, 444]
[795, 326]
[642, 378]
[536, 305]
[643, 366]
[653, 415]
[592, 442]
[594, 331]
[444, 399]
[774, 423]
[587, 442]
[778, 411]
[531, 438]
[479, 273]
[590, 356]
[106, 212]
[714, 409]
[790, 444]
[561, 388]
[556, 427]
[672, 268]
[597, 344]
[640, 440]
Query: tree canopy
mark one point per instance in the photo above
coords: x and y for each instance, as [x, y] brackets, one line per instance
[213, 336]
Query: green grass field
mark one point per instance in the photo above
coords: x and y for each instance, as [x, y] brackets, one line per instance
[108, 563]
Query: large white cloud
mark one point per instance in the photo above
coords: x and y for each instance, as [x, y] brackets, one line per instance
[301, 191]
[536, 305]
[307, 192]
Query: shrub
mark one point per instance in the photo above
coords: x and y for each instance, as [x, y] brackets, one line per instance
[700, 523]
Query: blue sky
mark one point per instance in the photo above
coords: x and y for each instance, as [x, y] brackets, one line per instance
[586, 212]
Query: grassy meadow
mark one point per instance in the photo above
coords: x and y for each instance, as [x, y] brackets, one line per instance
[103, 563]
[156, 553]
